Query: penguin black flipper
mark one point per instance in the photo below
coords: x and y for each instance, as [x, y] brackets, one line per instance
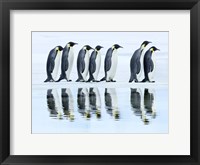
[151, 65]
[64, 67]
[138, 66]
[147, 68]
[92, 68]
[51, 67]
[82, 67]
[80, 64]
[92, 63]
[107, 63]
[65, 62]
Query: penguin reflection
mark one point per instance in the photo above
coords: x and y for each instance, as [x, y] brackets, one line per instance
[95, 101]
[83, 102]
[53, 103]
[137, 104]
[67, 103]
[111, 102]
[136, 101]
[149, 103]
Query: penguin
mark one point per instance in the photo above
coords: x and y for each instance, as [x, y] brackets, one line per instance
[83, 63]
[135, 65]
[67, 61]
[110, 63]
[53, 63]
[149, 64]
[94, 64]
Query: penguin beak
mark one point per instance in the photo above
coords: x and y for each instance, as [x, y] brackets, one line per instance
[75, 43]
[120, 47]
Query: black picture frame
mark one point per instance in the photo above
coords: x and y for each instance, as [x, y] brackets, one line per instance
[7, 5]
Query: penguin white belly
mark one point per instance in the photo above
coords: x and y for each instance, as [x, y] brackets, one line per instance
[152, 74]
[57, 64]
[98, 64]
[114, 59]
[86, 60]
[70, 61]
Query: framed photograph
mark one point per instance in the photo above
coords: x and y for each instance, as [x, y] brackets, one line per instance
[99, 81]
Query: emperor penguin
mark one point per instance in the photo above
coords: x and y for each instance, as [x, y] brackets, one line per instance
[53, 63]
[94, 64]
[110, 63]
[83, 63]
[149, 64]
[67, 61]
[135, 65]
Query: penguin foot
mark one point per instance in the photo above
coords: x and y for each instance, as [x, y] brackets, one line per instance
[69, 80]
[58, 80]
[152, 81]
[103, 79]
[49, 80]
[80, 80]
[144, 80]
[130, 81]
[46, 80]
[89, 80]
[96, 81]
[113, 80]
[136, 81]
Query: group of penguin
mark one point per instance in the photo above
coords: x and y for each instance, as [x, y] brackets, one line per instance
[87, 63]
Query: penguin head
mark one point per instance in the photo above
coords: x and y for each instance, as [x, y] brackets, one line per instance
[59, 48]
[153, 49]
[144, 44]
[98, 47]
[116, 46]
[87, 47]
[71, 44]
